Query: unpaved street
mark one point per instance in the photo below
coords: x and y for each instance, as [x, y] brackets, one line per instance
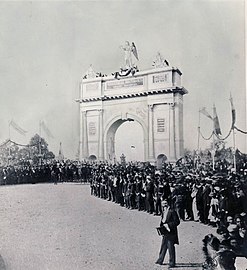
[46, 226]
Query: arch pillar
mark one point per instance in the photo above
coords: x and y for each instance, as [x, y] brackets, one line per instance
[101, 136]
[85, 136]
[172, 137]
[150, 133]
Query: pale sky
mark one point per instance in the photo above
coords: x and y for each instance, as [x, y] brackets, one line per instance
[46, 48]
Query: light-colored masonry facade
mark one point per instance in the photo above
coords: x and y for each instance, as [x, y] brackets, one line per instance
[153, 98]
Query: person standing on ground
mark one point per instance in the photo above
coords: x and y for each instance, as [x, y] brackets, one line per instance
[170, 221]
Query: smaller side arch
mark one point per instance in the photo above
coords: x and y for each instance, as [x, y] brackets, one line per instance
[161, 159]
[92, 158]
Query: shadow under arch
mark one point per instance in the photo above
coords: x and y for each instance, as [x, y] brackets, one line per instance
[110, 130]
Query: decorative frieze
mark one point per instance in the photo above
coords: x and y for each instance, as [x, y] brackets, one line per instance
[125, 83]
[161, 78]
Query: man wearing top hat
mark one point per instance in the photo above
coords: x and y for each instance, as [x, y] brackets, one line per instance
[170, 221]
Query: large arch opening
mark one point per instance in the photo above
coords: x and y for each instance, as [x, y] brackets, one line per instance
[129, 140]
[128, 136]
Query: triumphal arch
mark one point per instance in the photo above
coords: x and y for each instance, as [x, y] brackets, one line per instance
[153, 98]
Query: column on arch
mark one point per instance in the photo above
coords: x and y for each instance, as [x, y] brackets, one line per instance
[81, 136]
[179, 125]
[84, 136]
[100, 138]
[150, 133]
[172, 133]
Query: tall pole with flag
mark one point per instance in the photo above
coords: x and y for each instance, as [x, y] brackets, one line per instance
[213, 150]
[233, 133]
[216, 131]
[198, 130]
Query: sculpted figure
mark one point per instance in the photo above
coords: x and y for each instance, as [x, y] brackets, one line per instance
[90, 74]
[159, 61]
[128, 50]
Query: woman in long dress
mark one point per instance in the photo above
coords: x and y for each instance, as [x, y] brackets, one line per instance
[214, 210]
[194, 207]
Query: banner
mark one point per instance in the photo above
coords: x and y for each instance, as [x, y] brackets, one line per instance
[216, 122]
[125, 72]
[17, 128]
[205, 112]
[233, 112]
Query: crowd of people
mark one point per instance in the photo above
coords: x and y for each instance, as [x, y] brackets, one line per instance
[216, 198]
[57, 171]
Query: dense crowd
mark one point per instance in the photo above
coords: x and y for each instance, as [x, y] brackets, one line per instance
[57, 171]
[217, 198]
[196, 191]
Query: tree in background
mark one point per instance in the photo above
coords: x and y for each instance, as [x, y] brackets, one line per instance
[35, 152]
[39, 150]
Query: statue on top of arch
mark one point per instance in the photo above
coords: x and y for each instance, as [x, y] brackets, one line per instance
[128, 51]
[160, 61]
[130, 68]
[91, 74]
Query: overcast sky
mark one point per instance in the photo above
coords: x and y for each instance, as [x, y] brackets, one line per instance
[46, 48]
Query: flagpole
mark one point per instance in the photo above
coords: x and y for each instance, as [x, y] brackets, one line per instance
[233, 133]
[213, 151]
[198, 130]
[234, 151]
[198, 140]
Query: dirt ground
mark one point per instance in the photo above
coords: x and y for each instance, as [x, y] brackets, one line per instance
[56, 227]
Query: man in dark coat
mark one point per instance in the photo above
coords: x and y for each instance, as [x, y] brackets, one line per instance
[170, 221]
[150, 195]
